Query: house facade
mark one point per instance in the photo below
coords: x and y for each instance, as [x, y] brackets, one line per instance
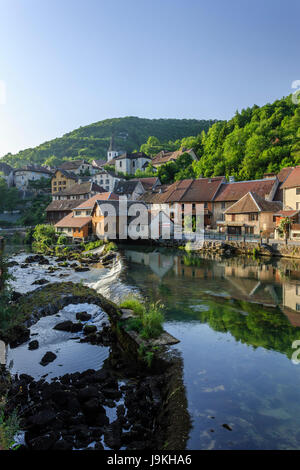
[83, 190]
[291, 189]
[131, 189]
[106, 179]
[251, 215]
[79, 167]
[165, 157]
[128, 163]
[22, 176]
[62, 180]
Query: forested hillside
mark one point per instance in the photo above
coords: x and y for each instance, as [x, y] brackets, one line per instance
[256, 140]
[92, 141]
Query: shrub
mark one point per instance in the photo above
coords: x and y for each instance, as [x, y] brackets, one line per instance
[134, 304]
[9, 426]
[111, 246]
[150, 317]
[62, 240]
[92, 245]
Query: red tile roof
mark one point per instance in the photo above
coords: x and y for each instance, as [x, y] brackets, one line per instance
[252, 202]
[73, 222]
[89, 203]
[234, 191]
[164, 157]
[293, 179]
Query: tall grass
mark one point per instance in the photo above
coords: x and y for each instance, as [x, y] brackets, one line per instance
[149, 319]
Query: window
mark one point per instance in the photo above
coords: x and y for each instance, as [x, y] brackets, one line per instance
[298, 191]
[205, 205]
[193, 206]
[182, 207]
[298, 307]
[120, 164]
[253, 216]
[223, 205]
[297, 205]
[232, 217]
[133, 164]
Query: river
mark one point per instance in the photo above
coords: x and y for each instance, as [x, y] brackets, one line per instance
[236, 320]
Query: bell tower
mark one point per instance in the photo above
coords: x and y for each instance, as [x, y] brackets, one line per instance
[112, 152]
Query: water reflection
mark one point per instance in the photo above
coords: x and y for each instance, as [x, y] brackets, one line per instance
[236, 320]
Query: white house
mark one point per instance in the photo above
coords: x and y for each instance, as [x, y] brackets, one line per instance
[107, 179]
[128, 163]
[22, 176]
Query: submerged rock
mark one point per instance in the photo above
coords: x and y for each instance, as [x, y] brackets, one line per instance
[47, 358]
[83, 316]
[68, 326]
[80, 269]
[33, 345]
[40, 282]
[88, 329]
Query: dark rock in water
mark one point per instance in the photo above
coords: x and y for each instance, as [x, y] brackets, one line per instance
[88, 329]
[40, 282]
[18, 335]
[36, 259]
[226, 426]
[88, 392]
[44, 442]
[112, 437]
[23, 266]
[15, 296]
[80, 269]
[33, 345]
[83, 316]
[64, 326]
[47, 358]
[11, 264]
[41, 419]
[68, 326]
[108, 257]
[62, 444]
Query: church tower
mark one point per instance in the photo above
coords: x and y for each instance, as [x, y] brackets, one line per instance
[112, 152]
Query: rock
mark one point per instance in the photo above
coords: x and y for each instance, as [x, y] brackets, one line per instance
[88, 392]
[11, 264]
[62, 444]
[80, 269]
[36, 259]
[44, 442]
[23, 266]
[18, 335]
[83, 316]
[33, 345]
[15, 296]
[68, 326]
[226, 426]
[40, 282]
[42, 419]
[88, 329]
[47, 358]
[76, 327]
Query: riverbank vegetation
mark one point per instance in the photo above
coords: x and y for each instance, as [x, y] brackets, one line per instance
[149, 318]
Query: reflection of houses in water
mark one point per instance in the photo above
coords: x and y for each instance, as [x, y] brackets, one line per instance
[291, 302]
[159, 263]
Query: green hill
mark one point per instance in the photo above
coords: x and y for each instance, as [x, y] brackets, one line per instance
[92, 141]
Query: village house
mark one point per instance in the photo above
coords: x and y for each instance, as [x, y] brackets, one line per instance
[131, 189]
[62, 180]
[78, 223]
[83, 190]
[251, 215]
[57, 210]
[22, 176]
[291, 189]
[79, 167]
[128, 163]
[230, 193]
[184, 195]
[149, 183]
[107, 179]
[165, 157]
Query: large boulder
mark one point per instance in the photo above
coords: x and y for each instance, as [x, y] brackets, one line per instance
[47, 358]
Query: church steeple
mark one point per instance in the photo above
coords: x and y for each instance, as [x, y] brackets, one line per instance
[112, 152]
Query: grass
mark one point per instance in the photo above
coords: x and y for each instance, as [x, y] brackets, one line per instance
[149, 317]
[9, 426]
[110, 246]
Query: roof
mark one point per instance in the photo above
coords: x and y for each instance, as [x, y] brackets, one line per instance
[235, 191]
[147, 183]
[99, 163]
[73, 164]
[126, 187]
[73, 222]
[293, 179]
[118, 207]
[81, 188]
[67, 174]
[132, 156]
[89, 203]
[287, 213]
[34, 168]
[164, 157]
[282, 176]
[252, 202]
[5, 168]
[62, 205]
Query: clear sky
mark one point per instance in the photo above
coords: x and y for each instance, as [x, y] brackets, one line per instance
[67, 63]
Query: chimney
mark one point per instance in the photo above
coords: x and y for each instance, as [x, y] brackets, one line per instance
[231, 179]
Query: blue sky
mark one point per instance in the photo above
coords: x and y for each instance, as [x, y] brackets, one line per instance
[67, 63]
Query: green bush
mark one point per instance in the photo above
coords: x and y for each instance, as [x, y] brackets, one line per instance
[92, 245]
[134, 304]
[111, 246]
[149, 319]
[62, 240]
[9, 426]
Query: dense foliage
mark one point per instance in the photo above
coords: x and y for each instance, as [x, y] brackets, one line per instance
[92, 141]
[9, 197]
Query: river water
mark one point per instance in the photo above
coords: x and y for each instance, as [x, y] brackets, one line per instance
[236, 320]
